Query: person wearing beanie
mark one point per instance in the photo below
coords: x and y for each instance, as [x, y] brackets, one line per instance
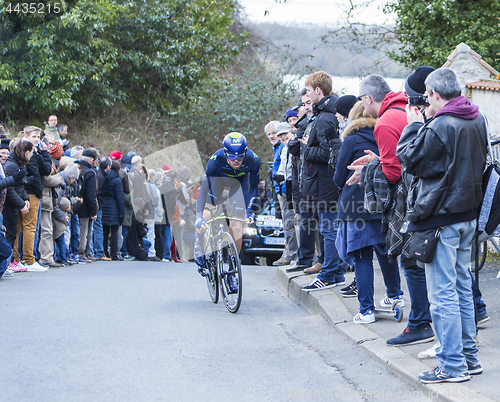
[343, 106]
[166, 168]
[56, 152]
[4, 150]
[291, 117]
[415, 88]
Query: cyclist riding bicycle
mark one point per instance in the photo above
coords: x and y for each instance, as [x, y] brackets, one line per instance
[234, 167]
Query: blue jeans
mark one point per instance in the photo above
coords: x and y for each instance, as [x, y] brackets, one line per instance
[147, 244]
[333, 268]
[166, 232]
[363, 268]
[449, 285]
[75, 235]
[4, 264]
[97, 236]
[419, 313]
[123, 250]
[62, 250]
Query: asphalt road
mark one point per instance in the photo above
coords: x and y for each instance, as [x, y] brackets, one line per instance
[126, 331]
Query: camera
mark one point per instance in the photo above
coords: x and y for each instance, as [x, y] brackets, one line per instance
[417, 101]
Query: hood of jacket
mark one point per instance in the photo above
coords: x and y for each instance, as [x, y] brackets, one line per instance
[358, 124]
[459, 107]
[326, 104]
[393, 99]
[112, 174]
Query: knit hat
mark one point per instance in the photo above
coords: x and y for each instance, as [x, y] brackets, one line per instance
[64, 162]
[136, 159]
[64, 204]
[72, 171]
[166, 168]
[282, 128]
[184, 174]
[291, 113]
[115, 155]
[57, 152]
[5, 143]
[415, 83]
[344, 104]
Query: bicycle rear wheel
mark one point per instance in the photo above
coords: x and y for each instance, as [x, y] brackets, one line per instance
[229, 268]
[212, 275]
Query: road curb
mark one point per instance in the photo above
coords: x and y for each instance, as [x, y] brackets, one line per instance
[330, 304]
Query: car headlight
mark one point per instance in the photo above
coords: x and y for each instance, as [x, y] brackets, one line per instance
[251, 231]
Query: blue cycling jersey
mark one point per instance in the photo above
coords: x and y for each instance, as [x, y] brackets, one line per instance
[219, 175]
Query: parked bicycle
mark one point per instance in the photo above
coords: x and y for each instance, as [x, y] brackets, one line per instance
[222, 260]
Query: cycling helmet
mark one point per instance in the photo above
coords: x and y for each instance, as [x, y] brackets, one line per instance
[235, 144]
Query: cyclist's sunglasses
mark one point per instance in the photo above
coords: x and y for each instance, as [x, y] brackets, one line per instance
[235, 157]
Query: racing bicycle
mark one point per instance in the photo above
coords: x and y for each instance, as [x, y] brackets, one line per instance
[222, 260]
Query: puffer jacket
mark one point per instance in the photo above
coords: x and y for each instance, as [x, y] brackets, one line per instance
[358, 138]
[447, 156]
[16, 195]
[317, 183]
[113, 204]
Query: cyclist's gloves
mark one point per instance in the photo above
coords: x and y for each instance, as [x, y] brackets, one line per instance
[200, 222]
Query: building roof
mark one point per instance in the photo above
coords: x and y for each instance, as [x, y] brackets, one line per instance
[463, 50]
[486, 85]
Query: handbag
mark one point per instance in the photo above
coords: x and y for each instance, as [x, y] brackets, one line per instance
[423, 244]
[488, 222]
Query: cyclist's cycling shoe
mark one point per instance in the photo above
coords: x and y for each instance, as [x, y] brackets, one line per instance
[232, 282]
[199, 257]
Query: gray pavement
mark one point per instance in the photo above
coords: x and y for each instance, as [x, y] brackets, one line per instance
[147, 331]
[404, 361]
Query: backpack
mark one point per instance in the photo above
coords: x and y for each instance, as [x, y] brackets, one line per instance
[488, 221]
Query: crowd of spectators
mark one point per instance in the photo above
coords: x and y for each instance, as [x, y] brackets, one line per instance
[373, 174]
[62, 205]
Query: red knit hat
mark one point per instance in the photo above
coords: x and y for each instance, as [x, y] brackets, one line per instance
[57, 152]
[115, 155]
[166, 168]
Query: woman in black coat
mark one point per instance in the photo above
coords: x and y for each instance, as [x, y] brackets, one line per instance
[17, 199]
[113, 211]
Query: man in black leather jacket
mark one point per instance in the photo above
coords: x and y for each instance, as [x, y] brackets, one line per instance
[447, 156]
[319, 194]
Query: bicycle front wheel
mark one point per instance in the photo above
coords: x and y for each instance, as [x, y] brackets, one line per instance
[229, 271]
[212, 275]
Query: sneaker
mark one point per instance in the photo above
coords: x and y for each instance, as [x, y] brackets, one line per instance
[349, 287]
[105, 258]
[430, 353]
[8, 272]
[129, 258]
[318, 284]
[17, 267]
[167, 260]
[282, 261]
[482, 318]
[437, 375]
[474, 369]
[413, 336]
[314, 269]
[367, 318]
[351, 293]
[155, 258]
[387, 302]
[81, 260]
[36, 267]
[296, 267]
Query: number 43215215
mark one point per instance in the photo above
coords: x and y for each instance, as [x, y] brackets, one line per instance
[33, 8]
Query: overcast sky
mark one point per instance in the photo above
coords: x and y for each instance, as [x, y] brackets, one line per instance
[313, 11]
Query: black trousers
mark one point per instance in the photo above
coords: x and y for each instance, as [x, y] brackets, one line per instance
[10, 222]
[111, 249]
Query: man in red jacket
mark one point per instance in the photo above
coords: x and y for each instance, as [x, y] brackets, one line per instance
[379, 100]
